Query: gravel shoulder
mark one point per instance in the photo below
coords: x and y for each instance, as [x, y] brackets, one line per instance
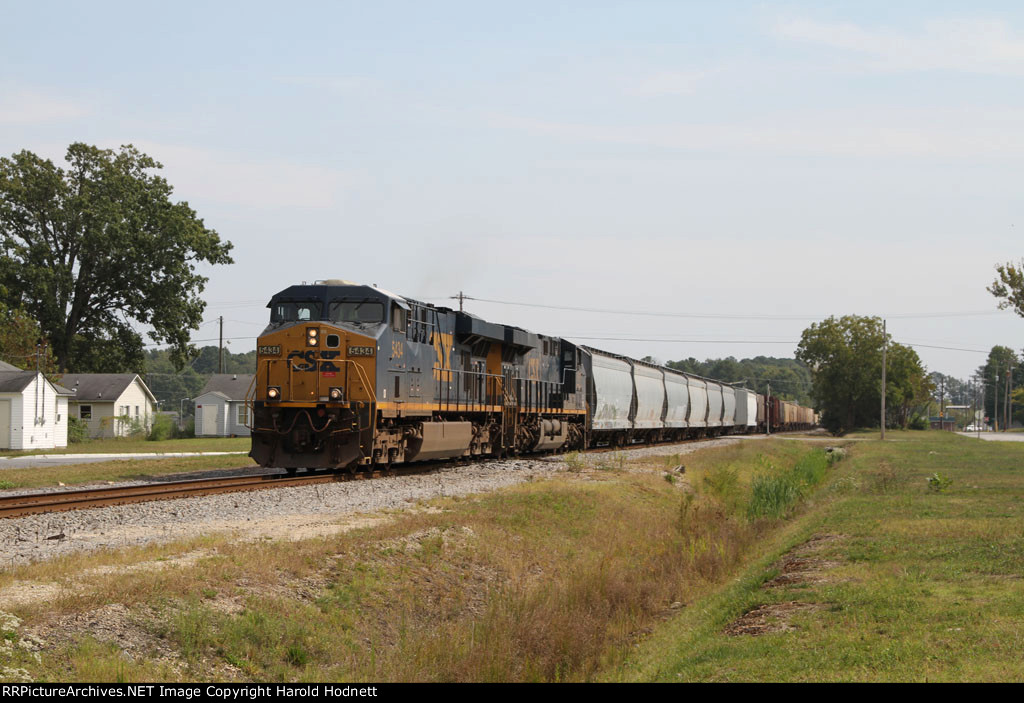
[282, 513]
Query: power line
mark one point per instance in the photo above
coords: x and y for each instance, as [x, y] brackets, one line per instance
[932, 346]
[716, 316]
[685, 341]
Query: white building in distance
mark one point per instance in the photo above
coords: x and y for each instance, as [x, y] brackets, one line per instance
[33, 411]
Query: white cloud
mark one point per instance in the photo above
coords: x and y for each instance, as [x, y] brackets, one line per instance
[28, 107]
[965, 45]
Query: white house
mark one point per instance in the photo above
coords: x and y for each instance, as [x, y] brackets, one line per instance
[111, 404]
[33, 411]
[221, 410]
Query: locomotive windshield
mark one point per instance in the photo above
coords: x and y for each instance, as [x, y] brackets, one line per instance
[358, 311]
[296, 311]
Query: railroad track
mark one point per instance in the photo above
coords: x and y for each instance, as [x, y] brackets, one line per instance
[33, 503]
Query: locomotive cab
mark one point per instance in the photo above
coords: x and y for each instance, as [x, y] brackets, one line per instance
[315, 390]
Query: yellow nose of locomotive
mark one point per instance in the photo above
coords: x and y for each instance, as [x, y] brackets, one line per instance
[310, 364]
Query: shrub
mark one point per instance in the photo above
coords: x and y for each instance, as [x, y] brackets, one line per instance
[919, 423]
[811, 468]
[163, 428]
[774, 492]
[772, 496]
[574, 462]
[938, 483]
[886, 477]
[78, 431]
[723, 482]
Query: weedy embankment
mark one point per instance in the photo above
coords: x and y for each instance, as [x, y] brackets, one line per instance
[546, 581]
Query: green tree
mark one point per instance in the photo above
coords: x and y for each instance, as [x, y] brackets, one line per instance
[845, 359]
[993, 377]
[908, 386]
[93, 250]
[21, 340]
[1009, 286]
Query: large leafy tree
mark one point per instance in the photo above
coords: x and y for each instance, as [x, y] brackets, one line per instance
[98, 248]
[845, 358]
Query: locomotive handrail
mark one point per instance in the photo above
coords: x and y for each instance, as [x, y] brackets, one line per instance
[362, 379]
[491, 384]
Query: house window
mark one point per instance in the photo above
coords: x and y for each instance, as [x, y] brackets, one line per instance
[84, 412]
[243, 414]
[136, 412]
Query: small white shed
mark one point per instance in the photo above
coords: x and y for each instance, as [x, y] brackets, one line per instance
[33, 411]
[221, 410]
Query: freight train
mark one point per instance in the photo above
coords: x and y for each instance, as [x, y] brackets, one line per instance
[352, 376]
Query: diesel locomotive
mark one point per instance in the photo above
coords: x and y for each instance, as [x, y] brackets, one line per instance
[352, 376]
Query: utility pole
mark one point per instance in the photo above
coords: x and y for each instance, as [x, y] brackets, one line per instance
[942, 398]
[220, 349]
[980, 404]
[1006, 400]
[885, 344]
[460, 298]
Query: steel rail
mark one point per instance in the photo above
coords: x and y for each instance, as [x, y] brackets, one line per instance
[80, 499]
[58, 501]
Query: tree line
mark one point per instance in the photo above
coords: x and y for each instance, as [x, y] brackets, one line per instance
[170, 386]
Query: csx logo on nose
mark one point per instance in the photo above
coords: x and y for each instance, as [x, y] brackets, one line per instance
[308, 356]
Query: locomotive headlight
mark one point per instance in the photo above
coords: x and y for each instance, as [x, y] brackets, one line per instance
[312, 336]
[336, 394]
[274, 393]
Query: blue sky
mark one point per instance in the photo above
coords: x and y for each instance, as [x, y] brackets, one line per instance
[764, 159]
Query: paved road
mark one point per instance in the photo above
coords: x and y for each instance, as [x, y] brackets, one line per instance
[26, 462]
[996, 436]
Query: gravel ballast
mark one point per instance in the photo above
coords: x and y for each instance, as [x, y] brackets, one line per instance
[278, 513]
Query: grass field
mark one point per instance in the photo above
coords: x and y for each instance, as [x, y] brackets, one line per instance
[909, 579]
[763, 561]
[126, 445]
[115, 470]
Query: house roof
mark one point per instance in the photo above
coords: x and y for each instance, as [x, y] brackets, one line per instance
[4, 366]
[15, 381]
[233, 386]
[101, 387]
[61, 390]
